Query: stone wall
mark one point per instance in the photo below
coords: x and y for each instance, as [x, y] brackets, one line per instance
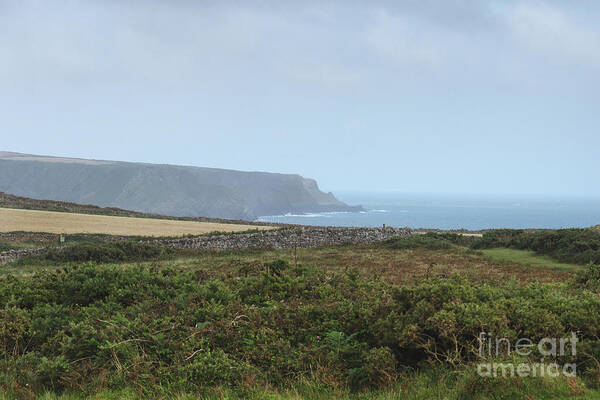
[29, 237]
[301, 237]
[288, 238]
[13, 255]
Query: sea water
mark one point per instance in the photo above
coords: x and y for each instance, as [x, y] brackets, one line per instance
[454, 211]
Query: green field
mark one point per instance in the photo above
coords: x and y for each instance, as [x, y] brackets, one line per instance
[527, 258]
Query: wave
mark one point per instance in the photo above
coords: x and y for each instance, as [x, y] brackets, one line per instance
[326, 214]
[307, 215]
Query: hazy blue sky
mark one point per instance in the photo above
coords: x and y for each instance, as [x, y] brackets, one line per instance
[419, 96]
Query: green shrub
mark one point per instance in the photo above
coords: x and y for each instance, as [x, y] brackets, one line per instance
[579, 246]
[429, 241]
[377, 369]
[103, 253]
[588, 278]
[4, 246]
[498, 238]
[277, 267]
[104, 326]
[210, 368]
[454, 238]
[14, 324]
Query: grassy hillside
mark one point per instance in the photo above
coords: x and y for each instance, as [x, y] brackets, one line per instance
[392, 320]
[17, 202]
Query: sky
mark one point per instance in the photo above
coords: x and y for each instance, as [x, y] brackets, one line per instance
[422, 96]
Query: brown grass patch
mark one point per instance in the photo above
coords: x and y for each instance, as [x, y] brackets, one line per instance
[396, 266]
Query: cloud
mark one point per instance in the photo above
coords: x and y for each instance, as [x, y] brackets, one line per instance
[93, 42]
[325, 75]
[515, 45]
[553, 34]
[330, 45]
[407, 43]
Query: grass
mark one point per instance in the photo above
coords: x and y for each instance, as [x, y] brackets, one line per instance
[527, 258]
[12, 201]
[398, 266]
[6, 245]
[407, 266]
[71, 223]
[438, 384]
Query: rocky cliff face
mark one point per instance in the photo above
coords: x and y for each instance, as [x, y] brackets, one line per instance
[163, 189]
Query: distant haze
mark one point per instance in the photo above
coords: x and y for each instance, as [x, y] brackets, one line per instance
[450, 96]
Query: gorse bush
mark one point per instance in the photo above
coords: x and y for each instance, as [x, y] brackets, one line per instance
[429, 241]
[498, 238]
[454, 238]
[91, 327]
[102, 253]
[580, 246]
[4, 247]
[588, 278]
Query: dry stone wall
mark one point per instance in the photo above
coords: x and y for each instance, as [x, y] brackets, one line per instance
[13, 255]
[29, 237]
[301, 237]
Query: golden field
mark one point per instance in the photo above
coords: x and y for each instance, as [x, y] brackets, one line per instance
[12, 220]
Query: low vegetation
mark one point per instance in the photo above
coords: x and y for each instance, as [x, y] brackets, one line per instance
[429, 241]
[100, 253]
[527, 258]
[579, 246]
[398, 319]
[6, 246]
[92, 327]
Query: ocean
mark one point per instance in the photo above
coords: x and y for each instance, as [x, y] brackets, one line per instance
[454, 212]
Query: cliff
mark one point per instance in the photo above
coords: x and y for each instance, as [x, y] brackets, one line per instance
[163, 189]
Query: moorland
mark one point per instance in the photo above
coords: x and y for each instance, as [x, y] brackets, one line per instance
[395, 319]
